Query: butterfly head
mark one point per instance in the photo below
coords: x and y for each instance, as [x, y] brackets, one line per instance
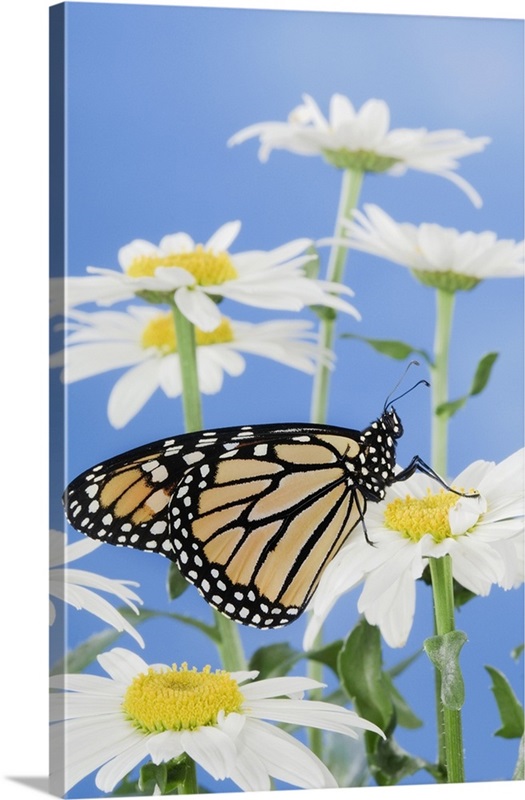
[391, 423]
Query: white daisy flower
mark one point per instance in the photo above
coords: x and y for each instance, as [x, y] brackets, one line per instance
[80, 588]
[439, 257]
[361, 140]
[195, 275]
[483, 536]
[143, 340]
[160, 712]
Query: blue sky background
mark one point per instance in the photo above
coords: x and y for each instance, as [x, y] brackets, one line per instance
[153, 94]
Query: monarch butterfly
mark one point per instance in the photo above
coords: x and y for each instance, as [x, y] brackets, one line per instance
[251, 515]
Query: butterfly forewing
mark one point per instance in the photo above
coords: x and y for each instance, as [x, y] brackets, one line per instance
[251, 515]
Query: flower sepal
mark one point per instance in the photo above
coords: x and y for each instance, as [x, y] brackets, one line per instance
[156, 298]
[359, 160]
[324, 312]
[448, 281]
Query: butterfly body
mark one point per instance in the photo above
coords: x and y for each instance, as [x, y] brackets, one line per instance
[251, 515]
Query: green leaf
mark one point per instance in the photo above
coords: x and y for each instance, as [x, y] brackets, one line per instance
[151, 776]
[274, 659]
[127, 788]
[405, 717]
[509, 707]
[391, 763]
[444, 651]
[167, 776]
[85, 653]
[516, 652]
[324, 312]
[278, 659]
[479, 382]
[346, 759]
[402, 665]
[391, 347]
[327, 655]
[81, 657]
[362, 676]
[176, 582]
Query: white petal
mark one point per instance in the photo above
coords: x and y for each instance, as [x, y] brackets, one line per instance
[224, 237]
[210, 374]
[86, 684]
[476, 565]
[465, 514]
[131, 392]
[311, 713]
[285, 758]
[122, 665]
[119, 766]
[212, 749]
[92, 743]
[165, 746]
[170, 378]
[198, 308]
[167, 278]
[82, 598]
[135, 249]
[177, 243]
[275, 687]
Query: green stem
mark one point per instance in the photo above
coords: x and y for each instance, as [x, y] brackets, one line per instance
[230, 646]
[187, 349]
[315, 671]
[350, 190]
[443, 594]
[444, 315]
[450, 744]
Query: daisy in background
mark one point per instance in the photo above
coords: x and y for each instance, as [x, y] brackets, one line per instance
[80, 588]
[142, 339]
[361, 140]
[162, 712]
[437, 256]
[195, 276]
[483, 536]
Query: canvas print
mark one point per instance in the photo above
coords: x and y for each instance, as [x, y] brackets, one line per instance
[286, 375]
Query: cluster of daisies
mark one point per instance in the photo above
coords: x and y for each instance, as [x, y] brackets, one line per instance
[196, 276]
[223, 720]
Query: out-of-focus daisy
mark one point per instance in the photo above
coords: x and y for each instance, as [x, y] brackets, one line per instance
[483, 536]
[439, 257]
[194, 276]
[80, 588]
[143, 340]
[161, 712]
[361, 140]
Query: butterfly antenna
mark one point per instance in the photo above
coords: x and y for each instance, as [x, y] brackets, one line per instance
[388, 401]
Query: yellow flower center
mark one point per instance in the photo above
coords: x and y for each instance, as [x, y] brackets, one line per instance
[180, 699]
[414, 517]
[160, 333]
[208, 269]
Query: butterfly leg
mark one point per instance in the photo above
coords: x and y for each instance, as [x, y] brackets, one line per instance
[356, 499]
[418, 465]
